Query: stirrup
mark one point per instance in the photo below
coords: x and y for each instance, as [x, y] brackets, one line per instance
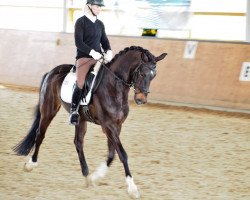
[74, 118]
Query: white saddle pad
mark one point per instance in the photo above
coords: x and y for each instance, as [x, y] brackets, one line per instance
[68, 87]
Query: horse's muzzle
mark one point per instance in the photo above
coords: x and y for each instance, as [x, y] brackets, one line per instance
[140, 98]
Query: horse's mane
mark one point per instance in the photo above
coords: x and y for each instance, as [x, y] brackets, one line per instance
[150, 56]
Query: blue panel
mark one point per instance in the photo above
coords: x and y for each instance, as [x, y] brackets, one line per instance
[166, 2]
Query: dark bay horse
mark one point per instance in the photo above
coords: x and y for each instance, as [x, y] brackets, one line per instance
[133, 66]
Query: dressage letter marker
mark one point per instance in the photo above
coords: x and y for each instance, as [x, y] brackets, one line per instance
[190, 49]
[245, 72]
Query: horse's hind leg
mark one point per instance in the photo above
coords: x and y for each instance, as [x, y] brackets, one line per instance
[111, 153]
[48, 112]
[44, 123]
[101, 171]
[80, 131]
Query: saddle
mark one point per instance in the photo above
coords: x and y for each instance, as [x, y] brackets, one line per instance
[92, 82]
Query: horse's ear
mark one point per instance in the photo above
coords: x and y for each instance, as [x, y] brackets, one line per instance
[144, 58]
[162, 56]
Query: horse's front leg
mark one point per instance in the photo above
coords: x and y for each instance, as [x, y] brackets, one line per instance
[80, 131]
[113, 136]
[132, 188]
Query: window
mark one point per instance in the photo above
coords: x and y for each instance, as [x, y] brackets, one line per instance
[195, 19]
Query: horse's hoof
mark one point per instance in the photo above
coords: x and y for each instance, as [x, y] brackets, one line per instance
[86, 184]
[29, 166]
[132, 188]
[91, 181]
[99, 173]
[134, 193]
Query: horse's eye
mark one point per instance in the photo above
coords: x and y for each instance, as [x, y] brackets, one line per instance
[142, 75]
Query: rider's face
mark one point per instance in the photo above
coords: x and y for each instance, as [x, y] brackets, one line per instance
[96, 9]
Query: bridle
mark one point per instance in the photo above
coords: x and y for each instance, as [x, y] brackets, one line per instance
[135, 75]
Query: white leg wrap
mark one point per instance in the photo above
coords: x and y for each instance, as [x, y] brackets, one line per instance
[132, 188]
[30, 165]
[100, 172]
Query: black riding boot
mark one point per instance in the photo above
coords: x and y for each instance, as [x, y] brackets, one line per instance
[76, 98]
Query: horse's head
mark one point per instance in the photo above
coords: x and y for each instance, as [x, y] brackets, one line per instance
[135, 66]
[143, 75]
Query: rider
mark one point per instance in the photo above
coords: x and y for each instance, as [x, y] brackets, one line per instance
[90, 37]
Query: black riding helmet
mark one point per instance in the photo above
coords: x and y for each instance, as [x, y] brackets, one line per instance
[96, 2]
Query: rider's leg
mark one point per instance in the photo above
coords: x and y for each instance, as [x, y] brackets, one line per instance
[82, 67]
[76, 98]
[92, 77]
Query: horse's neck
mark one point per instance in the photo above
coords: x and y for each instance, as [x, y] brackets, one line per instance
[124, 66]
[116, 79]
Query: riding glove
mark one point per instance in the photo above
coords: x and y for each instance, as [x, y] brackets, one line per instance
[108, 56]
[96, 55]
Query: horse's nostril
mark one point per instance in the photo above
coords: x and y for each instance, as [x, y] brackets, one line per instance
[140, 101]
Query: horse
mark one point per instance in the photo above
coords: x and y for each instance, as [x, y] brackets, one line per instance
[132, 67]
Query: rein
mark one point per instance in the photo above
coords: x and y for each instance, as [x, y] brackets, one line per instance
[120, 79]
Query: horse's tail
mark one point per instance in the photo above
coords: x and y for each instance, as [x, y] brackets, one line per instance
[24, 147]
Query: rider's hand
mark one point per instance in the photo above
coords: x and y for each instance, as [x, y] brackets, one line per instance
[108, 56]
[96, 55]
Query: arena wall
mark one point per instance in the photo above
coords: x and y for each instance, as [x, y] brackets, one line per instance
[211, 78]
